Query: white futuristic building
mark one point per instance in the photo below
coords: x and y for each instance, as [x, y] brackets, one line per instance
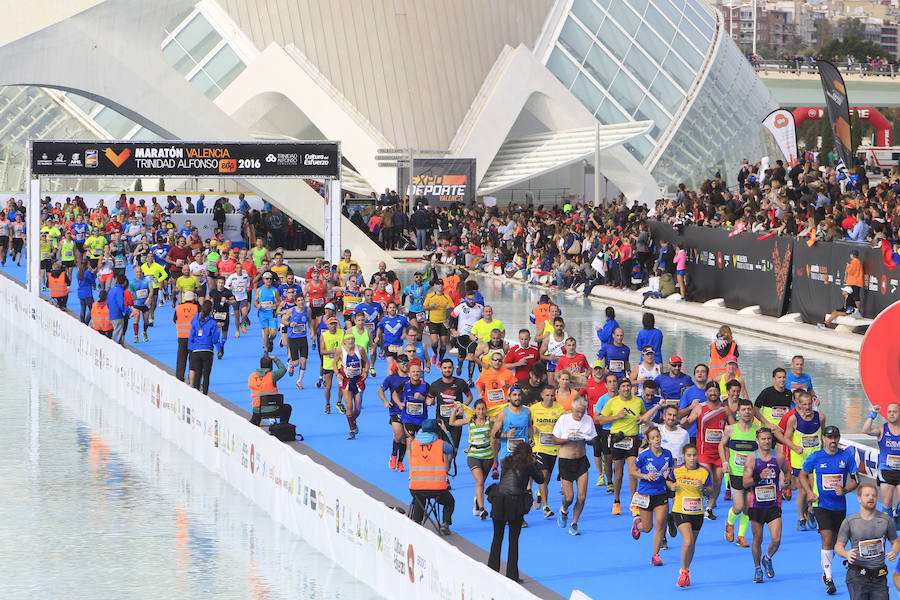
[540, 92]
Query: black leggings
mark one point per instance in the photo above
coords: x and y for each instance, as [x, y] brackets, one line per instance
[86, 304]
[512, 559]
[201, 366]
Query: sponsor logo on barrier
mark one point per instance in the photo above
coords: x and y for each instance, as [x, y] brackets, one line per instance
[312, 499]
[400, 562]
[227, 165]
[117, 159]
[90, 158]
[883, 285]
[411, 563]
[321, 501]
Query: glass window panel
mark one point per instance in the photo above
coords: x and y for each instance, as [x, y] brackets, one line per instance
[670, 10]
[117, 125]
[638, 5]
[174, 23]
[601, 66]
[608, 114]
[688, 53]
[639, 148]
[85, 104]
[144, 134]
[612, 38]
[206, 85]
[649, 110]
[704, 10]
[587, 92]
[628, 93]
[678, 70]
[688, 30]
[198, 37]
[665, 29]
[176, 56]
[666, 92]
[650, 42]
[560, 65]
[641, 66]
[588, 13]
[224, 67]
[574, 39]
[602, 3]
[704, 26]
[627, 19]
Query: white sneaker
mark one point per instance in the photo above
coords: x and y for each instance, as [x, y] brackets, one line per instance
[856, 314]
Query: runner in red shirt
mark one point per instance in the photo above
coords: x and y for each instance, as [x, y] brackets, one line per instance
[711, 418]
[521, 357]
[226, 265]
[572, 360]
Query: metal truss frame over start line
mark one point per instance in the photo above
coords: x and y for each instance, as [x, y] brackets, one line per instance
[182, 159]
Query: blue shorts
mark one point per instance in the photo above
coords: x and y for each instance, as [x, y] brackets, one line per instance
[680, 271]
[268, 321]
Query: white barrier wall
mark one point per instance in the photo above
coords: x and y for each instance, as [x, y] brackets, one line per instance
[379, 546]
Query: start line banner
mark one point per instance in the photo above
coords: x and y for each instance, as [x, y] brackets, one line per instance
[374, 543]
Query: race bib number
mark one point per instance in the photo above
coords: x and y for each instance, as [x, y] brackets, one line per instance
[446, 410]
[624, 444]
[617, 366]
[119, 262]
[779, 411]
[394, 348]
[370, 327]
[415, 408]
[349, 305]
[712, 436]
[496, 396]
[893, 461]
[832, 482]
[179, 262]
[420, 317]
[740, 459]
[142, 293]
[691, 506]
[511, 444]
[765, 493]
[318, 302]
[871, 548]
[546, 438]
[640, 500]
[299, 328]
[810, 442]
[220, 315]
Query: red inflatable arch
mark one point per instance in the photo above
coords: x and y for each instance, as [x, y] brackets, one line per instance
[883, 128]
[879, 359]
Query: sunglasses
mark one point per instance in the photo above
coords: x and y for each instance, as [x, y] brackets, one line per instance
[675, 364]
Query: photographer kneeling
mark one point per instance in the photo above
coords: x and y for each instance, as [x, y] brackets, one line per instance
[510, 502]
[429, 460]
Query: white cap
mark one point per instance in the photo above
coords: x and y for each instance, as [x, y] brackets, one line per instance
[847, 289]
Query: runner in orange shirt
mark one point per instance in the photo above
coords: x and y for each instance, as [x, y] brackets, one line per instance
[493, 384]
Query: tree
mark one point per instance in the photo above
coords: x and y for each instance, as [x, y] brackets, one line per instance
[824, 31]
[138, 186]
[853, 29]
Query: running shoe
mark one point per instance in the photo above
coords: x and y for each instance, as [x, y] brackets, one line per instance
[740, 542]
[458, 370]
[830, 588]
[393, 463]
[727, 495]
[601, 480]
[821, 325]
[729, 532]
[548, 513]
[244, 327]
[221, 354]
[670, 523]
[484, 514]
[299, 386]
[709, 514]
[524, 524]
[372, 372]
[636, 528]
[352, 435]
[341, 408]
[291, 370]
[573, 529]
[617, 508]
[811, 518]
[434, 359]
[327, 409]
[495, 474]
[237, 333]
[656, 561]
[537, 500]
[786, 493]
[767, 565]
[320, 381]
[664, 545]
[610, 489]
[635, 511]
[470, 383]
[757, 576]
[801, 525]
[561, 519]
[684, 578]
[135, 339]
[400, 466]
[151, 321]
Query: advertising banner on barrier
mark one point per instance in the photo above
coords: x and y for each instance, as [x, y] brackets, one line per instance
[373, 542]
[838, 110]
[441, 180]
[207, 227]
[780, 123]
[99, 158]
[741, 269]
[818, 276]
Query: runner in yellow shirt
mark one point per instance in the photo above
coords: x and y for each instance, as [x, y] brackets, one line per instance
[186, 283]
[623, 413]
[438, 306]
[543, 417]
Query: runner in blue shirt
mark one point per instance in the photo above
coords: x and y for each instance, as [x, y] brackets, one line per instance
[672, 383]
[616, 354]
[828, 476]
[798, 380]
[651, 469]
[696, 394]
[140, 287]
[160, 250]
[416, 292]
[386, 393]
[80, 231]
[392, 328]
[373, 312]
[297, 322]
[290, 283]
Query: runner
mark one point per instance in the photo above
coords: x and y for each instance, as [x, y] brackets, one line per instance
[565, 393]
[798, 380]
[571, 432]
[140, 289]
[351, 371]
[692, 396]
[690, 482]
[761, 481]
[316, 293]
[157, 275]
[445, 393]
[867, 531]
[572, 361]
[616, 354]
[5, 230]
[737, 446]
[511, 427]
[494, 383]
[266, 300]
[19, 232]
[297, 322]
[803, 436]
[480, 454]
[239, 283]
[485, 326]
[521, 357]
[648, 368]
[386, 392]
[391, 330]
[486, 349]
[888, 436]
[553, 348]
[622, 412]
[828, 475]
[416, 292]
[373, 312]
[287, 304]
[361, 333]
[732, 373]
[596, 392]
[465, 315]
[651, 468]
[222, 300]
[711, 418]
[412, 398]
[438, 305]
[544, 416]
[330, 342]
